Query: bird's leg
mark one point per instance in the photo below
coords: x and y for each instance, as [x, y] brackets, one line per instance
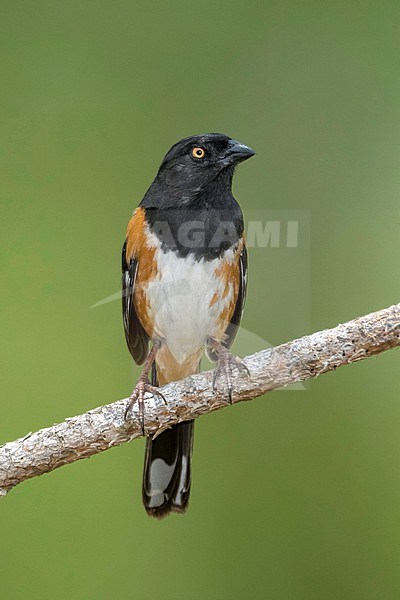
[143, 385]
[226, 365]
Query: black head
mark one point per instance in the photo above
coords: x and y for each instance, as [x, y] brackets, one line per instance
[193, 189]
[195, 161]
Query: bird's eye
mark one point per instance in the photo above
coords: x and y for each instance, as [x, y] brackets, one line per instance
[198, 152]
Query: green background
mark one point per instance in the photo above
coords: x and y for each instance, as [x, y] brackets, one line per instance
[296, 495]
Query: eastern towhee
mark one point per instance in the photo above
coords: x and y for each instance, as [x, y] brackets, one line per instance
[184, 266]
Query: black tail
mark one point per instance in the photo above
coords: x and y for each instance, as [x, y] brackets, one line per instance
[167, 465]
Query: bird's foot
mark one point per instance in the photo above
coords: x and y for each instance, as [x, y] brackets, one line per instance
[142, 387]
[224, 372]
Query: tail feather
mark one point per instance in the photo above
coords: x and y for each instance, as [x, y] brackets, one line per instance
[167, 469]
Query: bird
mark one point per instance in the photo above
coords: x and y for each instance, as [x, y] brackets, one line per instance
[184, 280]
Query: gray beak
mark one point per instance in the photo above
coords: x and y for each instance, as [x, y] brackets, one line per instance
[236, 153]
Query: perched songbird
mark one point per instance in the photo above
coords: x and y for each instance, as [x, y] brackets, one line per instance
[184, 268]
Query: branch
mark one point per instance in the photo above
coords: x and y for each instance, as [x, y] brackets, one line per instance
[99, 429]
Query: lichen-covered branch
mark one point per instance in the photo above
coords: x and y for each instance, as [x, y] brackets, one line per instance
[99, 429]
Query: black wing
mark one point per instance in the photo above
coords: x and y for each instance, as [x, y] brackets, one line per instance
[232, 329]
[234, 324]
[136, 337]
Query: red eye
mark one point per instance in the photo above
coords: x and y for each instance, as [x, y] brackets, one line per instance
[198, 152]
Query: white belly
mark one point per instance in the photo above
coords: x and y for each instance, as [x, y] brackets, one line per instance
[186, 300]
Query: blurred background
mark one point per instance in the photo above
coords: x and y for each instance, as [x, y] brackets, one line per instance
[295, 495]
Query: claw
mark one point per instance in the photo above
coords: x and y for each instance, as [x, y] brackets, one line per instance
[241, 366]
[230, 394]
[158, 393]
[224, 370]
[142, 387]
[215, 374]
